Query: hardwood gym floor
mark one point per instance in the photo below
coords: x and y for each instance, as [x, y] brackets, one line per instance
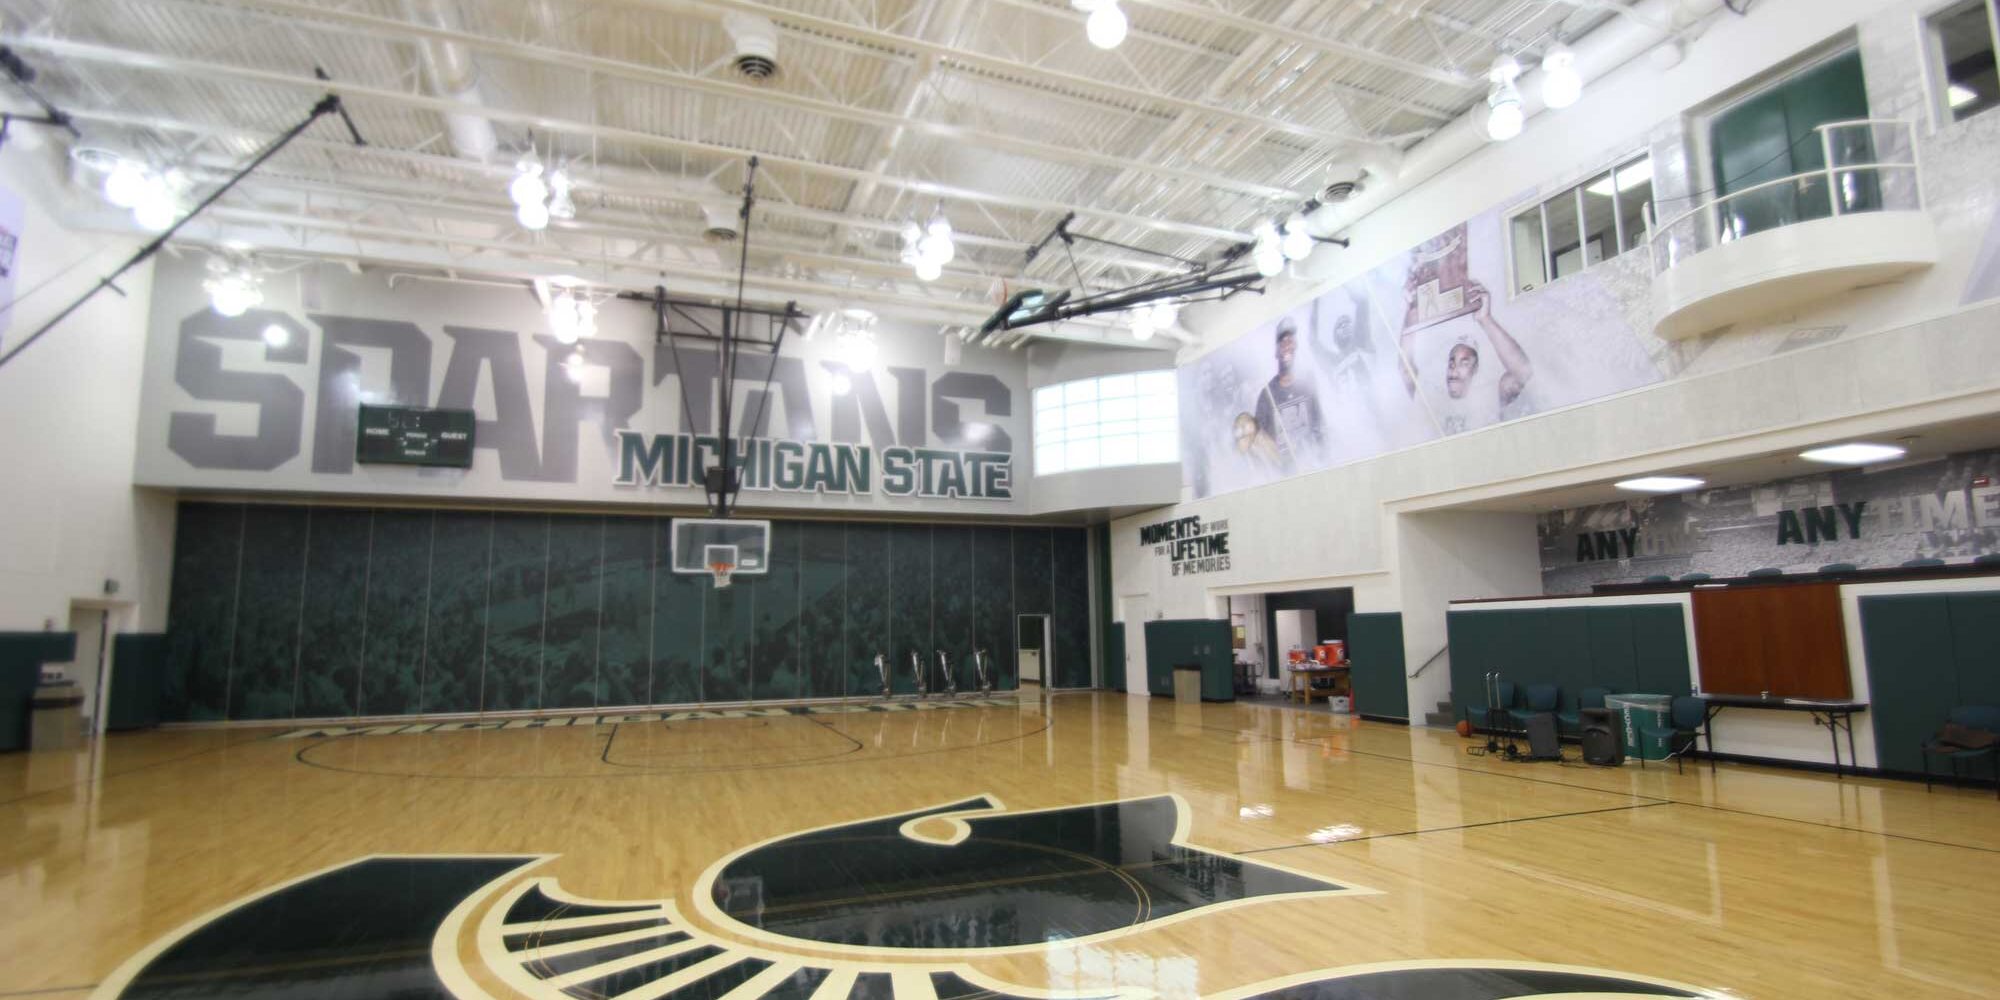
[1096, 845]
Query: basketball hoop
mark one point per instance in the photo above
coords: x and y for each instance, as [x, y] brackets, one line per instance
[721, 571]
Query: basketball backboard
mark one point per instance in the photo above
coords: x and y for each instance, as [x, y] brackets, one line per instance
[722, 548]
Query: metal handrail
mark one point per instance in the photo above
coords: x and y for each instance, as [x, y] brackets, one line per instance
[1433, 659]
[1830, 173]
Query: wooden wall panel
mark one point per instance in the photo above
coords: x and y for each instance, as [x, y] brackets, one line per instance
[1788, 640]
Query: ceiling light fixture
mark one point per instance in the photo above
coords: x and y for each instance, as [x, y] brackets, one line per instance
[1296, 243]
[560, 205]
[233, 287]
[572, 315]
[540, 194]
[1504, 116]
[276, 335]
[1142, 323]
[528, 185]
[1854, 453]
[126, 183]
[1268, 250]
[928, 248]
[1107, 25]
[1959, 95]
[154, 197]
[1562, 85]
[854, 343]
[573, 365]
[1661, 484]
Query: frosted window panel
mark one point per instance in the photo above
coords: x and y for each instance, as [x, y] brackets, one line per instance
[1118, 409]
[1081, 454]
[1048, 397]
[1110, 427]
[1080, 392]
[1158, 384]
[1112, 386]
[1154, 406]
[1054, 419]
[1159, 448]
[1081, 416]
[1121, 449]
[1048, 460]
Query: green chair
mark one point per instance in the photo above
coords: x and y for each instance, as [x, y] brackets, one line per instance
[1572, 720]
[1925, 563]
[1765, 571]
[1480, 715]
[1972, 717]
[1658, 578]
[1989, 559]
[1695, 577]
[1537, 699]
[1685, 717]
[1838, 568]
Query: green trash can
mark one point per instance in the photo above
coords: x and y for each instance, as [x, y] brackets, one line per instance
[1637, 712]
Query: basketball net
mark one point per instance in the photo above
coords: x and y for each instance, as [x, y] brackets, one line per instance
[721, 570]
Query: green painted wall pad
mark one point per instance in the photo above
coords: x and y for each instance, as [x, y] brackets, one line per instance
[290, 611]
[1380, 674]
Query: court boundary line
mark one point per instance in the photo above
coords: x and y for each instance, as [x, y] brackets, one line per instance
[636, 771]
[88, 782]
[1462, 826]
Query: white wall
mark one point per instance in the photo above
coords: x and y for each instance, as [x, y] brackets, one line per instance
[69, 407]
[1446, 556]
[1871, 361]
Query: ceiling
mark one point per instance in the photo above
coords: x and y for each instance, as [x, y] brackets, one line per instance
[1212, 116]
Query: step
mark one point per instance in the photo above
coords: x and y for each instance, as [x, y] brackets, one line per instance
[1439, 720]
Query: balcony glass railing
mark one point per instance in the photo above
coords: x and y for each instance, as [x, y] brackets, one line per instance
[1870, 165]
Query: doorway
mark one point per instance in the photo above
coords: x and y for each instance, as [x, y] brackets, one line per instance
[1032, 633]
[92, 622]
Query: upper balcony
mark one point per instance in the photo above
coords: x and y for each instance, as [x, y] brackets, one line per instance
[1857, 220]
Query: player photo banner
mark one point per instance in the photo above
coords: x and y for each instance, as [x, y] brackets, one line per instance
[1425, 345]
[1947, 509]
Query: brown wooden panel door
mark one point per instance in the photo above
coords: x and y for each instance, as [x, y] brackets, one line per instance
[1787, 639]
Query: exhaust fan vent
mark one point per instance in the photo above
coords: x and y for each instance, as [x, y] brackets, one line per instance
[756, 41]
[1339, 191]
[719, 222]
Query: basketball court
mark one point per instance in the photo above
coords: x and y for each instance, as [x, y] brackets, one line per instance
[1379, 846]
[999, 499]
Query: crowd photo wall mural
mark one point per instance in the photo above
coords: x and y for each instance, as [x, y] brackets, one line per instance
[1427, 344]
[1944, 508]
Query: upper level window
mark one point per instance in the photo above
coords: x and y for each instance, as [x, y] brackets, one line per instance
[1097, 423]
[1585, 225]
[1962, 43]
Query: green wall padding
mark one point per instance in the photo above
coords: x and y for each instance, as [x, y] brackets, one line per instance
[1380, 675]
[138, 665]
[1625, 648]
[1927, 654]
[21, 657]
[1203, 641]
[1660, 649]
[290, 611]
[1114, 656]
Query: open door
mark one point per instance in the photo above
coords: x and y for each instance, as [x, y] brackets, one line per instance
[1033, 646]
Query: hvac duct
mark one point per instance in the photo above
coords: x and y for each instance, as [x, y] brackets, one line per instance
[452, 73]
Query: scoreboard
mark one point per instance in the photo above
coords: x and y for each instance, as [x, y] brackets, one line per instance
[409, 435]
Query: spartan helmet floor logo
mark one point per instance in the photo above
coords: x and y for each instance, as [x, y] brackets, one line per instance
[884, 909]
